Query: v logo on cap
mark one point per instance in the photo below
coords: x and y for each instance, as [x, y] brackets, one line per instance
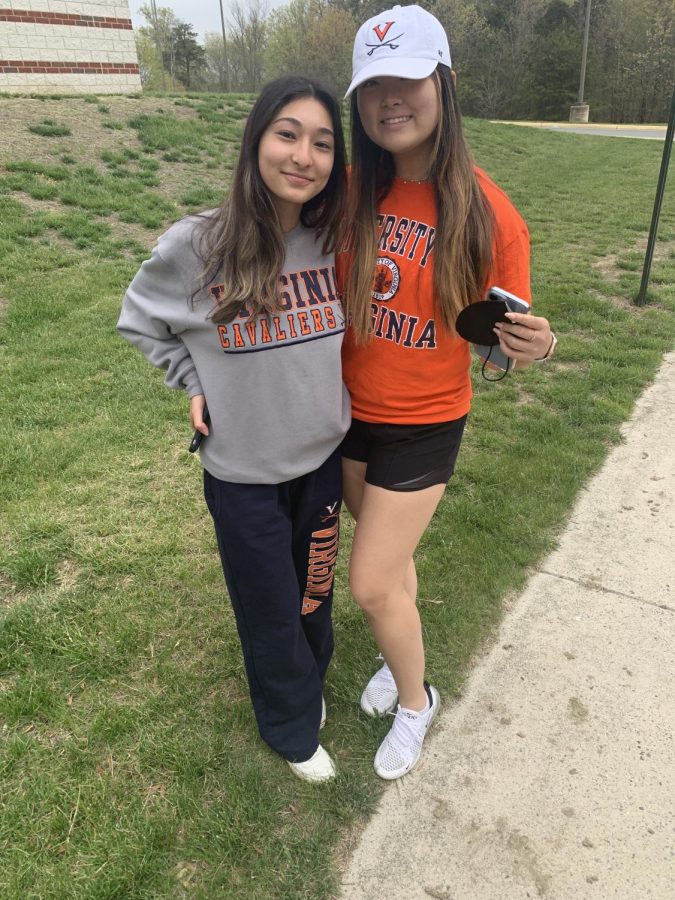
[382, 32]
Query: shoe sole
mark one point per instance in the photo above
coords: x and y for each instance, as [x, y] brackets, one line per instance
[393, 776]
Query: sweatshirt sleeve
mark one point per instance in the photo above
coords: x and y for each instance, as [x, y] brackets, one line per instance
[144, 322]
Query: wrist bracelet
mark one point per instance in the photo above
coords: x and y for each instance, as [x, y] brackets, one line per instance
[549, 352]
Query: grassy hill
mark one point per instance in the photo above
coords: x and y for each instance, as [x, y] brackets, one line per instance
[129, 761]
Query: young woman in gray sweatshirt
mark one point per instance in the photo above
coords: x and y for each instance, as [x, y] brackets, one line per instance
[239, 306]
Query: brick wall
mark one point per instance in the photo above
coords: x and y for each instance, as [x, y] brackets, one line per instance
[67, 47]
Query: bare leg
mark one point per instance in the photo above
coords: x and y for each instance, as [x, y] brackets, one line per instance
[353, 474]
[382, 573]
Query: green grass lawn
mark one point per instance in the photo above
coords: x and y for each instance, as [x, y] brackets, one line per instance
[129, 758]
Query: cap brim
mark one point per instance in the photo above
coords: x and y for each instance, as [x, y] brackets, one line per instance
[414, 69]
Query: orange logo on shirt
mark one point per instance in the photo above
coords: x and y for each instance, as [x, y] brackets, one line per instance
[387, 278]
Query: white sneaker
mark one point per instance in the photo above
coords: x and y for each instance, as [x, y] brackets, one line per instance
[319, 767]
[381, 694]
[323, 713]
[400, 750]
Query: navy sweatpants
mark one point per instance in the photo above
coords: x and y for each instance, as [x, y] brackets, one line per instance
[278, 544]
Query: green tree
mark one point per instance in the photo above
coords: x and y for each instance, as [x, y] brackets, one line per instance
[149, 61]
[552, 61]
[159, 32]
[188, 55]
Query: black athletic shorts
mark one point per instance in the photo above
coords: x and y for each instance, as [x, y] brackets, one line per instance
[405, 457]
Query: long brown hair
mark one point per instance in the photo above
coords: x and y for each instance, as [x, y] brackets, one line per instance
[464, 228]
[242, 245]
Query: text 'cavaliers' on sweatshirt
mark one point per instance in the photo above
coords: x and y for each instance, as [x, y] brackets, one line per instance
[273, 385]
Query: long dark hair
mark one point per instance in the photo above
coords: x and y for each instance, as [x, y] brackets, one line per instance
[242, 245]
[464, 229]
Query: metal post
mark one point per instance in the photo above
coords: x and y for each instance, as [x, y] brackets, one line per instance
[579, 110]
[226, 78]
[660, 189]
[584, 53]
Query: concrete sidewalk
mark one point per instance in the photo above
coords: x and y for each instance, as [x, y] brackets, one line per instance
[554, 775]
[599, 129]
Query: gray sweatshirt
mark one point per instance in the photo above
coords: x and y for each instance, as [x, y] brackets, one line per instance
[273, 386]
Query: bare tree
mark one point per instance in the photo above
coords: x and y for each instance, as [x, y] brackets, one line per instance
[216, 71]
[631, 59]
[247, 44]
[161, 24]
[312, 38]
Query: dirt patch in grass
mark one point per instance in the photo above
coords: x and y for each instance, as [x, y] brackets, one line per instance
[189, 874]
[524, 399]
[88, 137]
[130, 231]
[191, 185]
[67, 575]
[32, 205]
[48, 737]
[10, 596]
[624, 303]
[568, 366]
[8, 682]
[610, 266]
[120, 231]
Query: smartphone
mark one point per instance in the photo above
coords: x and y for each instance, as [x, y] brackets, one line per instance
[198, 437]
[493, 357]
[513, 303]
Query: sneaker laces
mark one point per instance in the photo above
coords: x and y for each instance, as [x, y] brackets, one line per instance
[407, 731]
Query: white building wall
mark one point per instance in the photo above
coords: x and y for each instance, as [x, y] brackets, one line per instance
[67, 46]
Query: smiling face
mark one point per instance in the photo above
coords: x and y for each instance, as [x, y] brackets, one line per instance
[401, 116]
[295, 157]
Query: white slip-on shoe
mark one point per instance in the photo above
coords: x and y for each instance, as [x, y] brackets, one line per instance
[319, 767]
[381, 694]
[400, 750]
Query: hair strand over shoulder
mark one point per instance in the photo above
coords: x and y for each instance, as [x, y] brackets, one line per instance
[464, 229]
[241, 244]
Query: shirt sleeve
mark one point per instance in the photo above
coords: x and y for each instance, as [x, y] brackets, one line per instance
[156, 289]
[511, 265]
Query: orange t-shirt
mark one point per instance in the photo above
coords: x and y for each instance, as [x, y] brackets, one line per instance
[414, 370]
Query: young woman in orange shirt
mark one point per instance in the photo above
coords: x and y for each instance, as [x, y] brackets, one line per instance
[438, 232]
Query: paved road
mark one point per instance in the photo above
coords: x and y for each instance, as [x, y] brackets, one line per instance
[645, 132]
[554, 775]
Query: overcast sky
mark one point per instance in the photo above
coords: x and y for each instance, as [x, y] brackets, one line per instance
[203, 15]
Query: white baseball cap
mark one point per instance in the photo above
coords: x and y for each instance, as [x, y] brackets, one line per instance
[403, 42]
